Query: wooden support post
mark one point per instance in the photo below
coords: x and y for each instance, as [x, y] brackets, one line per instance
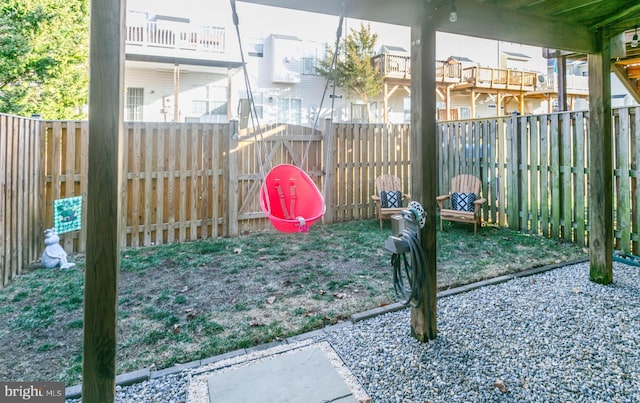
[601, 164]
[229, 92]
[106, 84]
[448, 102]
[562, 83]
[423, 167]
[385, 99]
[176, 92]
[474, 98]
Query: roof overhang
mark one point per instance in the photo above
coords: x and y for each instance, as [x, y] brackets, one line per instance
[201, 64]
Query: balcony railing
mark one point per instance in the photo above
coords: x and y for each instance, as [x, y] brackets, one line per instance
[399, 67]
[487, 77]
[574, 84]
[207, 39]
[392, 66]
[447, 72]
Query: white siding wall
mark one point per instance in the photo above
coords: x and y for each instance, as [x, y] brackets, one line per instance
[309, 89]
[159, 83]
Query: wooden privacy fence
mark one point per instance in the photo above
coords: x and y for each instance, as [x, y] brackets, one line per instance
[358, 154]
[195, 180]
[20, 201]
[534, 171]
[172, 185]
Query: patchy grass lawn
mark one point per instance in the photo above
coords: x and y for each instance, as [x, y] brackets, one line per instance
[182, 302]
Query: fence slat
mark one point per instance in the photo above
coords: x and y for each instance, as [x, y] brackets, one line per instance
[523, 173]
[12, 186]
[5, 172]
[20, 207]
[566, 176]
[147, 203]
[159, 155]
[622, 219]
[580, 189]
[171, 152]
[545, 195]
[534, 171]
[134, 185]
[196, 173]
[84, 171]
[555, 184]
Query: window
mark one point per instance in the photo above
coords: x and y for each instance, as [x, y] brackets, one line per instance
[464, 112]
[199, 107]
[406, 108]
[135, 102]
[244, 110]
[309, 65]
[290, 111]
[373, 111]
[213, 106]
[218, 108]
[243, 105]
[359, 113]
[256, 48]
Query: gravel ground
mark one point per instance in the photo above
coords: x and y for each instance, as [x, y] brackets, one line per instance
[551, 337]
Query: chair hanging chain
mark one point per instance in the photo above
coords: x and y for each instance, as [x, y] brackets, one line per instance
[253, 112]
[255, 122]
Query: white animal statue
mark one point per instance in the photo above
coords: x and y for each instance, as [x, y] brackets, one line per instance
[53, 254]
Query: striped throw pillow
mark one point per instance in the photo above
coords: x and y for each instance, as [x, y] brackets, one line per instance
[463, 201]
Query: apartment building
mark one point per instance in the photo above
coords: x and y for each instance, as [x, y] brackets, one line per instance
[189, 69]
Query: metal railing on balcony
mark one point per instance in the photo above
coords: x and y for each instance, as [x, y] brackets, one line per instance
[203, 38]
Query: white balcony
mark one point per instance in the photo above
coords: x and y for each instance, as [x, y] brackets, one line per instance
[177, 36]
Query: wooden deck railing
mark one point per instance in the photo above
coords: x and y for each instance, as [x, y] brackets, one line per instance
[488, 77]
[399, 67]
[392, 66]
[201, 38]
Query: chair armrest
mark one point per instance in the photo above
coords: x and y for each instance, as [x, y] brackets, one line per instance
[375, 198]
[478, 204]
[441, 199]
[407, 198]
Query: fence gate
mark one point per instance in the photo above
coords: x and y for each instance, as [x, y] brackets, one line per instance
[278, 144]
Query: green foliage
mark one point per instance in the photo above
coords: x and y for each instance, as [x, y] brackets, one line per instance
[354, 70]
[44, 55]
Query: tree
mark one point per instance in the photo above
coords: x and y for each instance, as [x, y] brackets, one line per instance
[44, 52]
[355, 73]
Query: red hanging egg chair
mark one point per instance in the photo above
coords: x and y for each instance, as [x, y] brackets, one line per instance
[290, 199]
